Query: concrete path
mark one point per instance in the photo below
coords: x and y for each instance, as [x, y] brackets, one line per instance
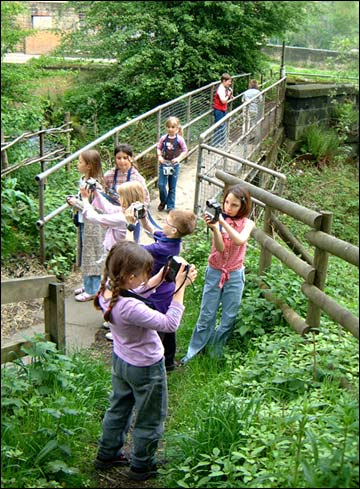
[82, 319]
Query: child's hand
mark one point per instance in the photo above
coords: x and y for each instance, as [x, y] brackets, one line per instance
[85, 192]
[129, 214]
[186, 274]
[208, 220]
[70, 200]
[161, 159]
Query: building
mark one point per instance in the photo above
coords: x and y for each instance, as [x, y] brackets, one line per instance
[48, 20]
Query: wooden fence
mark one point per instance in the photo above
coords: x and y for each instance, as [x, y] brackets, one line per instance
[45, 155]
[27, 289]
[312, 269]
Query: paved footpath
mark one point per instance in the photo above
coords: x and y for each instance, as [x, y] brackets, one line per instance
[82, 319]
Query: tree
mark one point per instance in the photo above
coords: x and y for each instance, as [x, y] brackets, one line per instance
[11, 32]
[165, 48]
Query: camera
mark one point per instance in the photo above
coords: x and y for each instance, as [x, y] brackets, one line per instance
[174, 265]
[91, 184]
[168, 169]
[213, 210]
[139, 211]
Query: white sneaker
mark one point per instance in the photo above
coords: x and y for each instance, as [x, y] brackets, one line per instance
[106, 325]
[109, 336]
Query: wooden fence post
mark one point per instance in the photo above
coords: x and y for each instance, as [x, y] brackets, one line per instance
[4, 159]
[320, 264]
[265, 255]
[54, 309]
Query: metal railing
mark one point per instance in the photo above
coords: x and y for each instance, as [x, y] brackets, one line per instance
[195, 112]
[236, 144]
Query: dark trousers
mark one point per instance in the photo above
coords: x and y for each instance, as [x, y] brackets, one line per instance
[169, 342]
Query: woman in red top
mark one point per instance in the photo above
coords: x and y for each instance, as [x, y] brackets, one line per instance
[225, 273]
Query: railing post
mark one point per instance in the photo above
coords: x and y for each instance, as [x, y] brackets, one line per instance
[188, 118]
[42, 147]
[116, 139]
[265, 255]
[197, 182]
[68, 139]
[320, 264]
[41, 217]
[4, 159]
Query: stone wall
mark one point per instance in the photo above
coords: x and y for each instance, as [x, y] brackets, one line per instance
[313, 102]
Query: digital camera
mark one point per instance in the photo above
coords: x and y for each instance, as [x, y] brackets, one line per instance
[174, 265]
[91, 184]
[213, 210]
[168, 169]
[139, 211]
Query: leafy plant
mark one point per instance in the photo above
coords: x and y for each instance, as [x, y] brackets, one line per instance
[322, 144]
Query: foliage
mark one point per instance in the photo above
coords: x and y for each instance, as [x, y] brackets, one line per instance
[342, 25]
[17, 211]
[185, 47]
[51, 410]
[11, 33]
[321, 144]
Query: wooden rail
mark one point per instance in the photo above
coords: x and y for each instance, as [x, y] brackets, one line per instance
[30, 288]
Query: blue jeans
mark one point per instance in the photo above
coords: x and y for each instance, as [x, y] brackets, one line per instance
[167, 197]
[220, 132]
[230, 298]
[142, 388]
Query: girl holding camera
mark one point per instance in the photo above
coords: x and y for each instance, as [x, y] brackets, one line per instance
[91, 236]
[171, 150]
[138, 371]
[225, 273]
[125, 171]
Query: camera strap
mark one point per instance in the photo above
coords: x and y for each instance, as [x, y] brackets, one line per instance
[130, 293]
[128, 177]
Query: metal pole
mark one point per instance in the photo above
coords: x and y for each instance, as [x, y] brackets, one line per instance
[282, 67]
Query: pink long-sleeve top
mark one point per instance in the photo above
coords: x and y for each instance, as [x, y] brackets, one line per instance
[113, 218]
[233, 256]
[134, 327]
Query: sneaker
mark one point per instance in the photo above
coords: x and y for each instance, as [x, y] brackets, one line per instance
[106, 325]
[109, 336]
[78, 291]
[161, 207]
[103, 464]
[170, 368]
[84, 297]
[137, 474]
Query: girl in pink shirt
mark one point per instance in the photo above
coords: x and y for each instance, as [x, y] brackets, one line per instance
[225, 273]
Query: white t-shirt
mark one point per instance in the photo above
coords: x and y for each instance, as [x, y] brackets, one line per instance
[248, 95]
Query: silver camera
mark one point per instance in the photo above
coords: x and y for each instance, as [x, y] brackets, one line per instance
[213, 210]
[91, 184]
[139, 211]
[168, 169]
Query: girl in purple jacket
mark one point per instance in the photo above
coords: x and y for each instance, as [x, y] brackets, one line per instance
[138, 371]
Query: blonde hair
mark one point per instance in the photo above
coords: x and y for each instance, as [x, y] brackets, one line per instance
[130, 192]
[174, 121]
[253, 84]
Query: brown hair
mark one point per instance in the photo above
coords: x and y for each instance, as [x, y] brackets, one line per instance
[128, 150]
[184, 221]
[130, 192]
[253, 84]
[226, 76]
[174, 121]
[92, 158]
[243, 195]
[124, 259]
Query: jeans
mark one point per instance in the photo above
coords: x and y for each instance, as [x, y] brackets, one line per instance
[220, 132]
[91, 283]
[230, 298]
[145, 390]
[167, 197]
